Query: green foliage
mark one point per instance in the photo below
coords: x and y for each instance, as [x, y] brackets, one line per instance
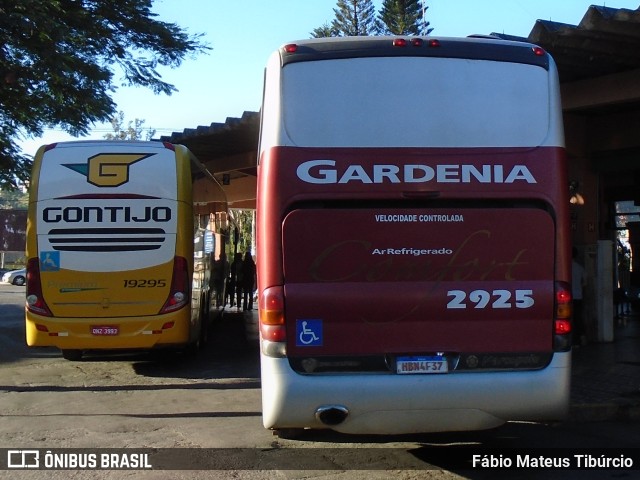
[404, 17]
[358, 18]
[244, 220]
[352, 18]
[355, 17]
[13, 200]
[324, 31]
[57, 63]
[133, 131]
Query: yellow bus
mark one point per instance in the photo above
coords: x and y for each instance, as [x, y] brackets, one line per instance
[110, 248]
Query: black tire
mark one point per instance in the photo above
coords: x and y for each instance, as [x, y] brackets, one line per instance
[72, 355]
[19, 280]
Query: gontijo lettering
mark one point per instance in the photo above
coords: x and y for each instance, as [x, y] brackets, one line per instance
[105, 214]
[325, 172]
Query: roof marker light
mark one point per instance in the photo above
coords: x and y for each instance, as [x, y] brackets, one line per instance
[434, 42]
[291, 48]
[399, 42]
[539, 51]
[416, 42]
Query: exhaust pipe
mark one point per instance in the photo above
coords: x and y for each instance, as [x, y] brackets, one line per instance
[332, 415]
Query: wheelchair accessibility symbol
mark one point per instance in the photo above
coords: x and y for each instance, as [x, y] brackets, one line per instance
[50, 261]
[309, 333]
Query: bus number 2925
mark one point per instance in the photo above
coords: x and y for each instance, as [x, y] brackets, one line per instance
[493, 299]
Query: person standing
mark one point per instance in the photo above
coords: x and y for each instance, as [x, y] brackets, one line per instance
[236, 279]
[248, 281]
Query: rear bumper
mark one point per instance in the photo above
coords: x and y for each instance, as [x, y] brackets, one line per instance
[395, 404]
[134, 332]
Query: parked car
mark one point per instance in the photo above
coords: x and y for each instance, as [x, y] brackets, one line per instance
[15, 277]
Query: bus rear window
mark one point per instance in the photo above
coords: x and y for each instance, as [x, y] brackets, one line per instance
[415, 102]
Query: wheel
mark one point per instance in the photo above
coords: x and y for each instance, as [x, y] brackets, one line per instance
[19, 280]
[72, 355]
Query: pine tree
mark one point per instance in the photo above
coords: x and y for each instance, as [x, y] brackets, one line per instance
[324, 31]
[404, 17]
[354, 18]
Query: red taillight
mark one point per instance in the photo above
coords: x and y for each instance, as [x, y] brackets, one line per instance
[35, 298]
[272, 314]
[290, 48]
[562, 327]
[539, 51]
[180, 283]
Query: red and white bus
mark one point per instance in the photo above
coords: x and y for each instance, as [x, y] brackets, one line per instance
[413, 249]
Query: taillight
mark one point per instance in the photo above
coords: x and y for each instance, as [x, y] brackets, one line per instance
[539, 51]
[291, 48]
[35, 299]
[272, 306]
[180, 287]
[272, 327]
[562, 321]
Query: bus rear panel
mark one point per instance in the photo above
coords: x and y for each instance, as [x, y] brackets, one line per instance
[110, 247]
[412, 244]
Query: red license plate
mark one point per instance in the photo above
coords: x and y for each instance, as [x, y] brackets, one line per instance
[105, 330]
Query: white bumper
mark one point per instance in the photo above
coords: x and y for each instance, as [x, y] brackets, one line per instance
[395, 404]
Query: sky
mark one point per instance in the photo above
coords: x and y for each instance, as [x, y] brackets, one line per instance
[242, 34]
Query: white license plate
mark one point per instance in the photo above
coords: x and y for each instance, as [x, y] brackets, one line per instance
[425, 364]
[105, 330]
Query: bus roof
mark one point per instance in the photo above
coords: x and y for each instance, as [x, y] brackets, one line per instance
[481, 48]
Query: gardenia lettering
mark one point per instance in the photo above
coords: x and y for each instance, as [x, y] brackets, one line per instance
[325, 172]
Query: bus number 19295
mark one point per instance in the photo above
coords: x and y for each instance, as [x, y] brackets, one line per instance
[150, 283]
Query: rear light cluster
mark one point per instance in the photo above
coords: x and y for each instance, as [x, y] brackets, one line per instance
[180, 287]
[272, 328]
[415, 42]
[35, 299]
[562, 321]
